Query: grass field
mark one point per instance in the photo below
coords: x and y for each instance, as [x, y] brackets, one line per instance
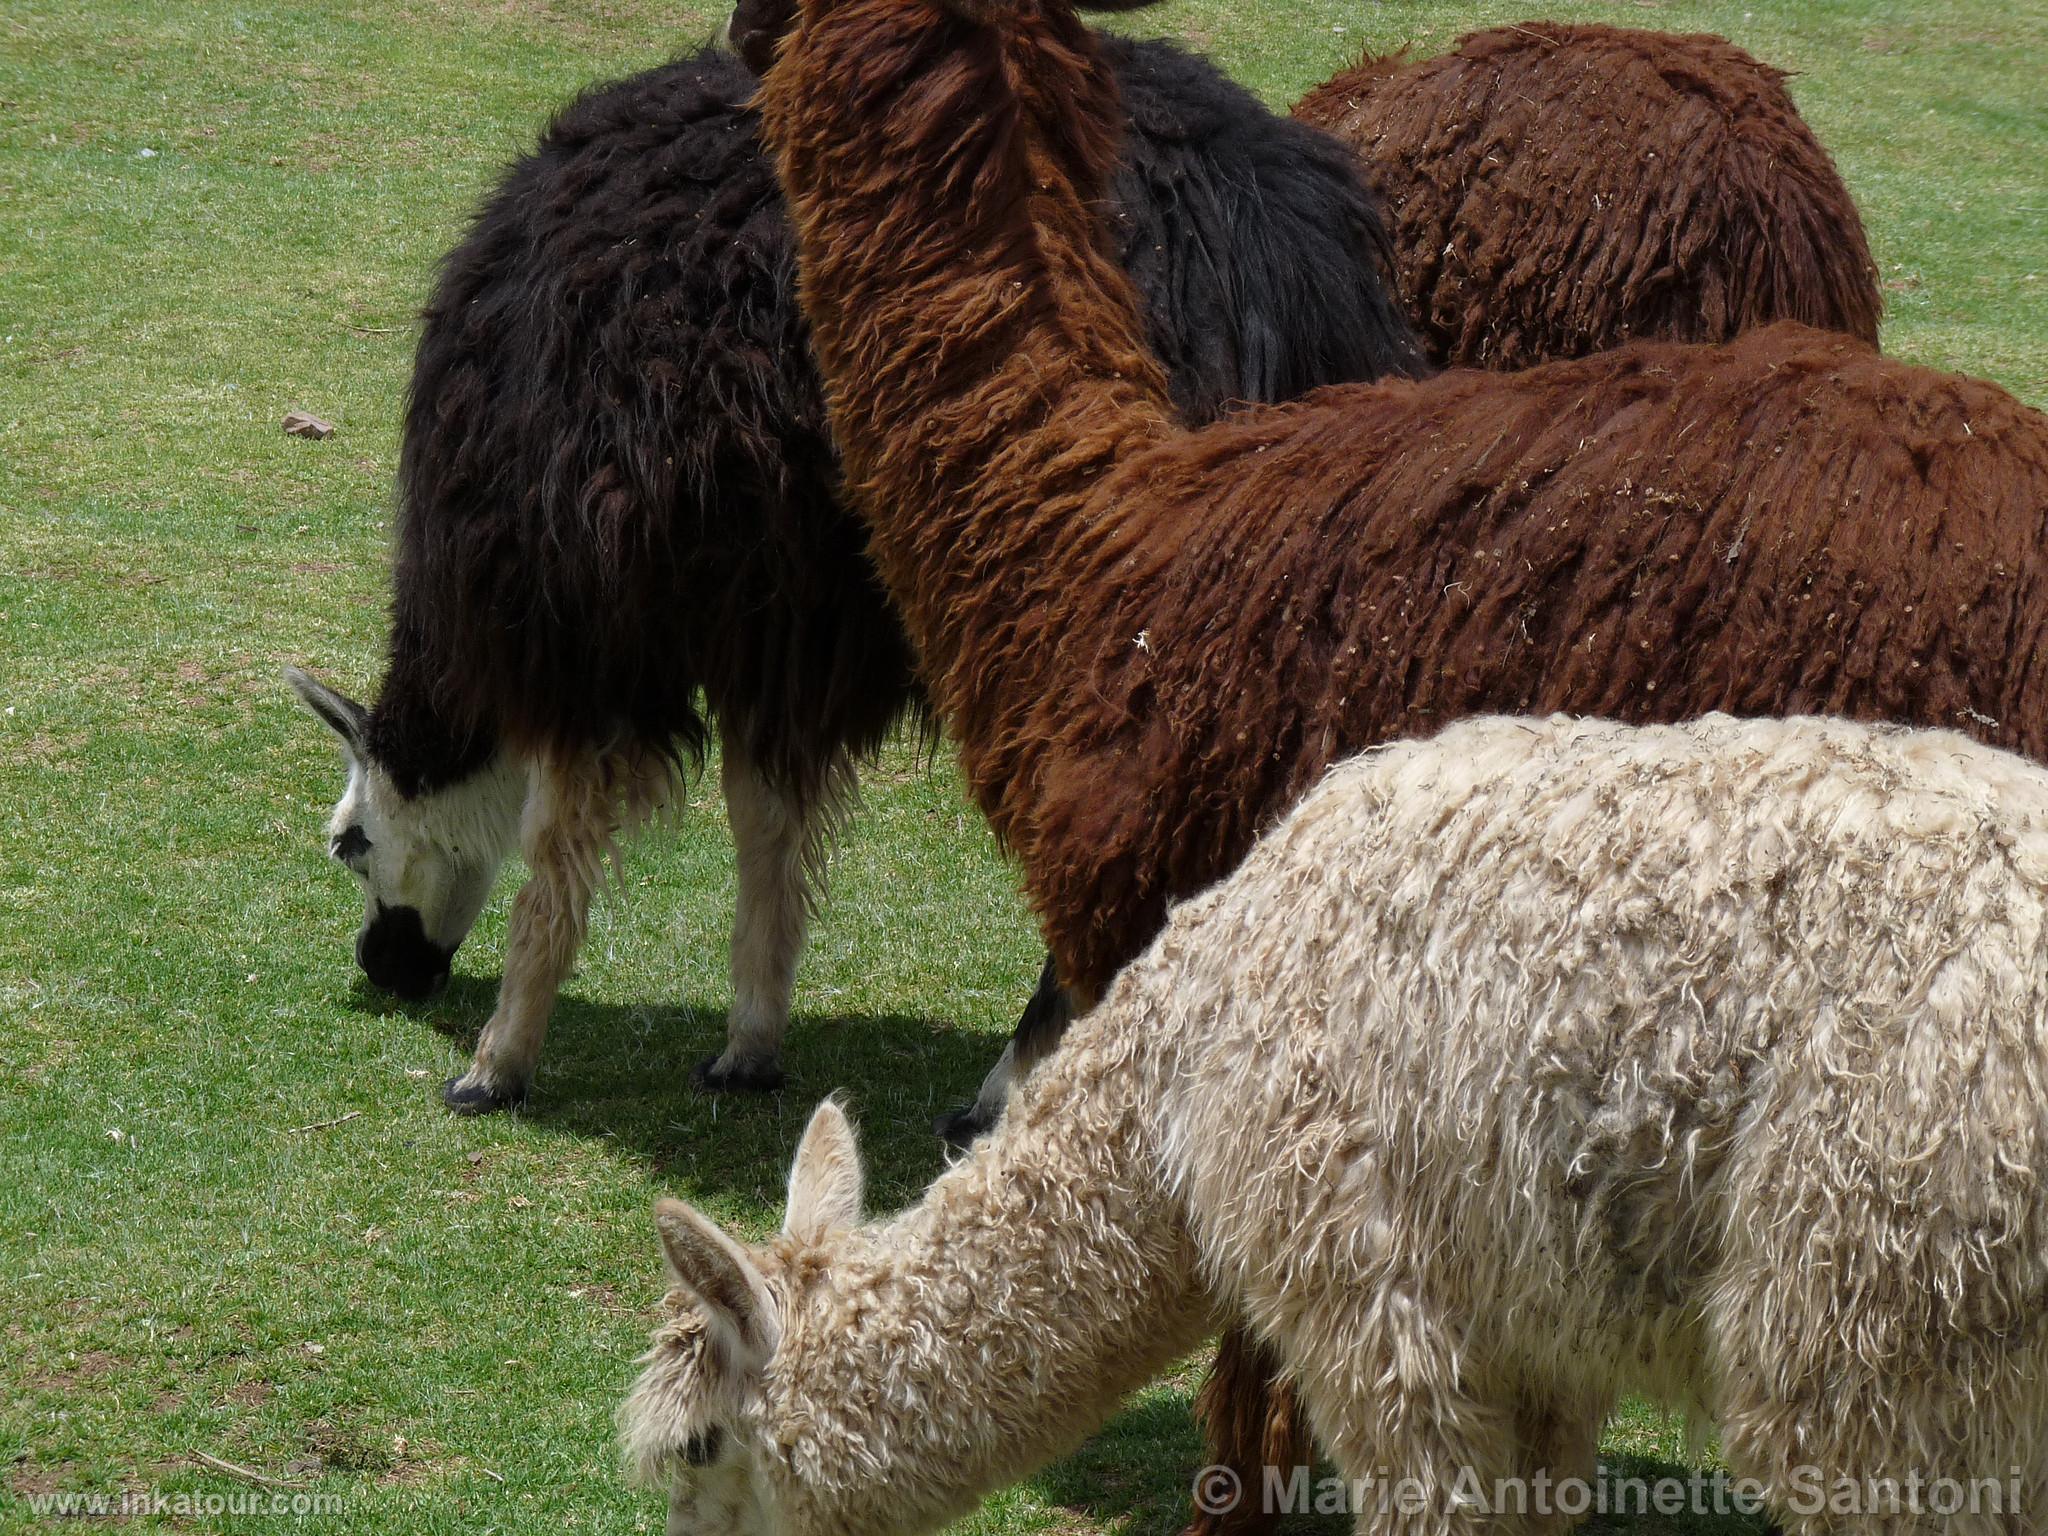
[233, 1221]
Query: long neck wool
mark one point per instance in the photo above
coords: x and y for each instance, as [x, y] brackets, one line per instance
[1040, 1281]
[983, 353]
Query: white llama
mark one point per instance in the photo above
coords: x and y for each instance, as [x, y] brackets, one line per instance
[1517, 1069]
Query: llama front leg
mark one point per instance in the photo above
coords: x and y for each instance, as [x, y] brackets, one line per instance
[961, 1127]
[1558, 1436]
[1039, 1028]
[1422, 1449]
[572, 812]
[775, 843]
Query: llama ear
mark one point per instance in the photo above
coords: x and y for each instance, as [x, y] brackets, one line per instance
[724, 1282]
[825, 1181]
[342, 714]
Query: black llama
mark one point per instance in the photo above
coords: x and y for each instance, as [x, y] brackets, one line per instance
[618, 518]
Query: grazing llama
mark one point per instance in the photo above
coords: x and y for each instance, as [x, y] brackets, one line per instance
[1518, 1069]
[1558, 190]
[619, 514]
[1149, 641]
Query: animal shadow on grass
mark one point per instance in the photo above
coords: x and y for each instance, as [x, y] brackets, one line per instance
[1135, 1474]
[621, 1072]
[1632, 1478]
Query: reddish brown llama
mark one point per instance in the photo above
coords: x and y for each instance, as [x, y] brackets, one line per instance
[1559, 190]
[1147, 641]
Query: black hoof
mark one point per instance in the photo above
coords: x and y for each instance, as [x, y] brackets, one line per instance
[467, 1098]
[961, 1127]
[763, 1077]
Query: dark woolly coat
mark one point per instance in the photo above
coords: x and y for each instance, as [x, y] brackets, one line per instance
[1557, 190]
[616, 486]
[1788, 523]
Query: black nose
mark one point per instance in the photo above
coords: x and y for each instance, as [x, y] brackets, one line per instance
[395, 953]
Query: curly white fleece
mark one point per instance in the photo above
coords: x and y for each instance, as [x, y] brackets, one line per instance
[1518, 1068]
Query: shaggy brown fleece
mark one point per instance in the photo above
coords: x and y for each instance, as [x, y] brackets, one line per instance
[1788, 524]
[1148, 641]
[1559, 190]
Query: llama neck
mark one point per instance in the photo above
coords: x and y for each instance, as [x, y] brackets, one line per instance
[411, 736]
[983, 353]
[991, 1327]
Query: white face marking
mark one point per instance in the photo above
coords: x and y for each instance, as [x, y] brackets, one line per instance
[436, 854]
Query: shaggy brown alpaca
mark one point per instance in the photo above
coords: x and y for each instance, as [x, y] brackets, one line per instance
[1559, 190]
[1149, 641]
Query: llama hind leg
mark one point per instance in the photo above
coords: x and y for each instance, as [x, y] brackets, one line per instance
[1960, 1461]
[780, 846]
[1879, 1372]
[573, 811]
[1253, 1426]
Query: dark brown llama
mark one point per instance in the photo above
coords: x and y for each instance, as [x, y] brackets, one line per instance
[1559, 190]
[619, 513]
[1147, 641]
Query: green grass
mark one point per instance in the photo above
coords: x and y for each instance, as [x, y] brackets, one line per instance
[432, 1319]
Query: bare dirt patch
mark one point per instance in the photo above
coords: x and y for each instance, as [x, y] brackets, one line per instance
[603, 1297]
[29, 1479]
[249, 1394]
[95, 1365]
[349, 1446]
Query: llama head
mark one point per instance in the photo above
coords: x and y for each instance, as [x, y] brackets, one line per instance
[699, 1422]
[425, 860]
